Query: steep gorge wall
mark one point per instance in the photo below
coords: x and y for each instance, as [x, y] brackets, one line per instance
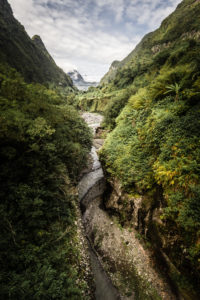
[143, 213]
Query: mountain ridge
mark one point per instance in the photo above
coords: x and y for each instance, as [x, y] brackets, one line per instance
[28, 56]
[161, 36]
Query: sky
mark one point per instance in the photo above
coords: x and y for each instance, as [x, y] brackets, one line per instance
[88, 35]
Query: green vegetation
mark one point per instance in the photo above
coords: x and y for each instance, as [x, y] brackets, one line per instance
[182, 25]
[156, 142]
[43, 147]
[151, 104]
[94, 100]
[131, 283]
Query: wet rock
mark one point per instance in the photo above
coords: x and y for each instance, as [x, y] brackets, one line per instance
[98, 143]
[96, 190]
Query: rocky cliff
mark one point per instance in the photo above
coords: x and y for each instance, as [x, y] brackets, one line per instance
[160, 238]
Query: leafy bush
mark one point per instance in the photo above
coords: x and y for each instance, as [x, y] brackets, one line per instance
[114, 107]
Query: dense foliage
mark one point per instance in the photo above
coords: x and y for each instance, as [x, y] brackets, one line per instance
[43, 146]
[156, 143]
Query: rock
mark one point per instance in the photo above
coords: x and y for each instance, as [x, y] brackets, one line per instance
[98, 143]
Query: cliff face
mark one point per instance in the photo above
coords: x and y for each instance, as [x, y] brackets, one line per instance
[29, 57]
[143, 214]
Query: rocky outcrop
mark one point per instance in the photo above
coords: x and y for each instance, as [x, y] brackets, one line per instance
[120, 203]
[157, 48]
[75, 76]
[144, 215]
[191, 35]
[195, 35]
[97, 189]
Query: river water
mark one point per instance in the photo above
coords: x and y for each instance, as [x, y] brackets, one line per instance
[91, 186]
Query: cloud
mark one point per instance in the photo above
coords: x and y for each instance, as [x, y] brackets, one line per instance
[150, 12]
[89, 34]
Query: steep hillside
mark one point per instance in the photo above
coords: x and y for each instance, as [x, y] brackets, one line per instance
[28, 56]
[111, 72]
[181, 25]
[176, 42]
[44, 145]
[151, 156]
[39, 44]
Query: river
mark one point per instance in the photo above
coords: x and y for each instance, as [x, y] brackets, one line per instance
[91, 186]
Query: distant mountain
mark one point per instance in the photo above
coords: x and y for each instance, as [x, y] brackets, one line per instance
[28, 56]
[75, 76]
[79, 82]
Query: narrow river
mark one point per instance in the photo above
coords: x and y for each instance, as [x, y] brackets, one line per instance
[91, 186]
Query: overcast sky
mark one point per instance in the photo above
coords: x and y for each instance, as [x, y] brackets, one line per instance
[88, 35]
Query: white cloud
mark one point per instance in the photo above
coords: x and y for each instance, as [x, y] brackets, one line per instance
[89, 34]
[150, 12]
[117, 6]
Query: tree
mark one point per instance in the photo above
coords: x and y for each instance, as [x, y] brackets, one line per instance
[173, 88]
